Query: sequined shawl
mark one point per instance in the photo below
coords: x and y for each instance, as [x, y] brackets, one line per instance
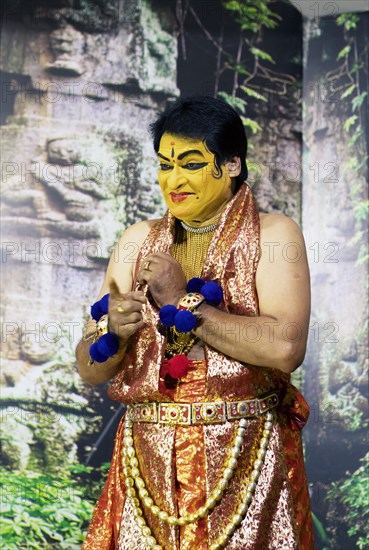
[231, 261]
[276, 514]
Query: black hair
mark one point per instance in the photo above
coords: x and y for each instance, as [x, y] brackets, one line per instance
[211, 120]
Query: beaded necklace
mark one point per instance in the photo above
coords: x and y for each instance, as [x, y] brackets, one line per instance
[190, 247]
[138, 493]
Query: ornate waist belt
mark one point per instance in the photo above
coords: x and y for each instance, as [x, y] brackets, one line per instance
[215, 412]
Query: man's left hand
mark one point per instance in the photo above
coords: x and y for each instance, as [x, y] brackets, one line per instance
[165, 278]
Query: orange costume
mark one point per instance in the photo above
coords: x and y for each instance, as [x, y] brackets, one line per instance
[181, 465]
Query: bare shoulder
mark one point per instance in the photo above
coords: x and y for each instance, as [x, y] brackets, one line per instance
[137, 232]
[278, 224]
[124, 256]
[280, 239]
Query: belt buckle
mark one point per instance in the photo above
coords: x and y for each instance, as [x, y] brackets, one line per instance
[268, 402]
[177, 414]
[209, 413]
[143, 412]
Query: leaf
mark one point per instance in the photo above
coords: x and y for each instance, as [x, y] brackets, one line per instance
[262, 55]
[252, 93]
[349, 122]
[348, 92]
[355, 138]
[359, 100]
[320, 529]
[236, 102]
[252, 124]
[68, 515]
[361, 210]
[232, 5]
[344, 52]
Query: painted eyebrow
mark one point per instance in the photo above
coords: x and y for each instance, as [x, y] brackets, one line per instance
[191, 152]
[163, 157]
[182, 155]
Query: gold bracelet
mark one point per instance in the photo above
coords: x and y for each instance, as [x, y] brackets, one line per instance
[102, 326]
[191, 301]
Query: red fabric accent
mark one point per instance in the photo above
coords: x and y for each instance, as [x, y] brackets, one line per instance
[296, 408]
[106, 519]
[177, 366]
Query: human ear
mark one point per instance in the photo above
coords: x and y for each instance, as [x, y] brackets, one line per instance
[233, 167]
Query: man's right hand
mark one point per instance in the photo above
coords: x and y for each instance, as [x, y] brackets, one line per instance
[125, 311]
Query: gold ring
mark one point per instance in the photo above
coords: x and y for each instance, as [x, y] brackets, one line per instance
[146, 265]
[120, 309]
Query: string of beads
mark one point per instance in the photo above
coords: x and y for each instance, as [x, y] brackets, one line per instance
[136, 486]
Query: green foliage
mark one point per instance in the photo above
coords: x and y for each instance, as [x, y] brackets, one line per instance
[353, 494]
[348, 20]
[354, 128]
[350, 121]
[251, 125]
[252, 93]
[344, 52]
[236, 102]
[42, 511]
[263, 55]
[361, 210]
[253, 14]
[321, 531]
[359, 100]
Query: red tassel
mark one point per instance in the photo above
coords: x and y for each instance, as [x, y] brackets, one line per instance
[177, 366]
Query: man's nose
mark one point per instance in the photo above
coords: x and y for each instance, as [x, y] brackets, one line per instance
[176, 178]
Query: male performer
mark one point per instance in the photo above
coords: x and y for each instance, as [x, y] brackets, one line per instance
[210, 322]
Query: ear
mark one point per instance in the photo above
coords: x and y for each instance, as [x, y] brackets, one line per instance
[233, 167]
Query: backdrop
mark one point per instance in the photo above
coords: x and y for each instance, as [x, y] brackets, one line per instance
[81, 81]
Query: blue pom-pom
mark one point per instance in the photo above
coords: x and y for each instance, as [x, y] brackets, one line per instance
[167, 314]
[212, 293]
[96, 311]
[96, 355]
[108, 344]
[195, 284]
[100, 308]
[104, 304]
[185, 320]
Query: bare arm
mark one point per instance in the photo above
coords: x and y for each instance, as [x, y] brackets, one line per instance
[118, 282]
[277, 338]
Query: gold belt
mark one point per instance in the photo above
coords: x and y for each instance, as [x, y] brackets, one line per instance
[215, 412]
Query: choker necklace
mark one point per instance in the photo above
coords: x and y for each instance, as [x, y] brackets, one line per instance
[198, 229]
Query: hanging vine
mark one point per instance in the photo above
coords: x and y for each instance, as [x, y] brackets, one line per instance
[354, 65]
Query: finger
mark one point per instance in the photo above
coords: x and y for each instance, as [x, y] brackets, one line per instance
[127, 306]
[125, 331]
[115, 293]
[160, 256]
[127, 318]
[137, 296]
[144, 276]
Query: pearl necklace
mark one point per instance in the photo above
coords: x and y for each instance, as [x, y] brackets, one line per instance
[205, 229]
[133, 477]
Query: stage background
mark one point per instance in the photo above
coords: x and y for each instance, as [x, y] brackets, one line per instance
[81, 81]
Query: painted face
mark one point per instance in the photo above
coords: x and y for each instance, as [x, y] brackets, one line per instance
[189, 179]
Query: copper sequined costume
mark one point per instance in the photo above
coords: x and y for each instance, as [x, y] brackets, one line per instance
[182, 464]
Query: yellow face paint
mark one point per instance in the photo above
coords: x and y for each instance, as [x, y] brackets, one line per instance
[189, 179]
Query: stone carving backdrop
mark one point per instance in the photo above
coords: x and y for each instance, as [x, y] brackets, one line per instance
[81, 85]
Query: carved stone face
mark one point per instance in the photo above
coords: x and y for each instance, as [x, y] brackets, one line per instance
[66, 44]
[63, 151]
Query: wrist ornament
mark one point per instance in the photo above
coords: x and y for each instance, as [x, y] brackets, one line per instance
[178, 323]
[184, 317]
[105, 343]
